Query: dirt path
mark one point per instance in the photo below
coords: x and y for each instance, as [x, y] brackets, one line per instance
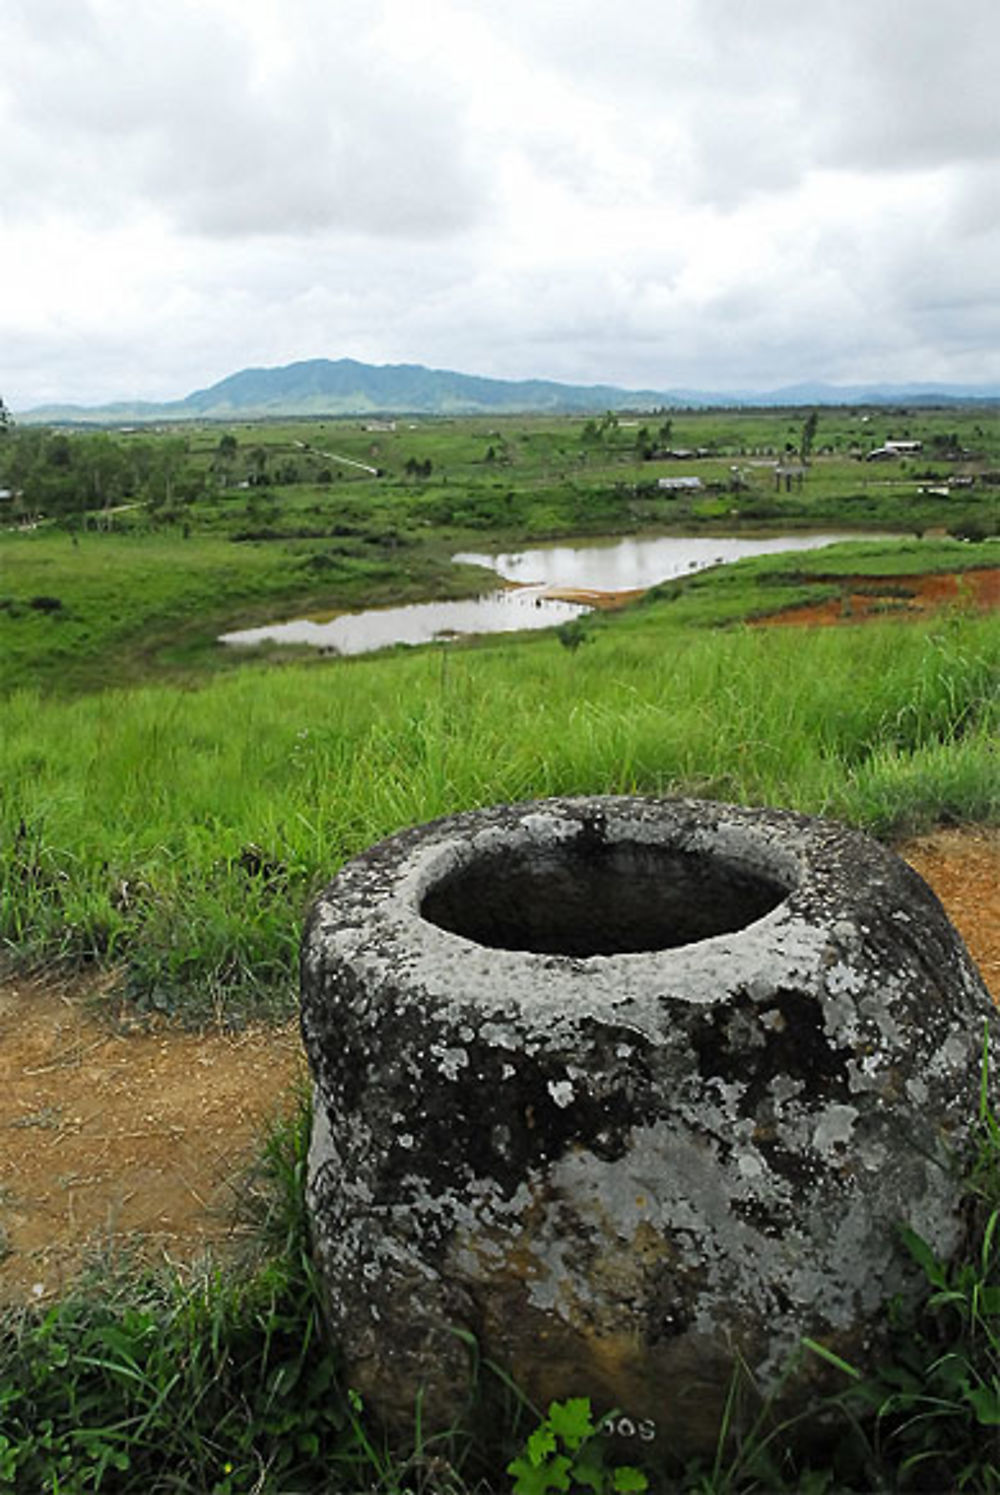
[108, 1138]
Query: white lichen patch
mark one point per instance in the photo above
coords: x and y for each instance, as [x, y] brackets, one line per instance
[833, 1128]
[449, 1060]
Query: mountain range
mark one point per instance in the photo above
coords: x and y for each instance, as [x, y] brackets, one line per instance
[322, 386]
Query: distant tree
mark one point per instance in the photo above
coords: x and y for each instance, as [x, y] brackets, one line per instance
[39, 468]
[103, 472]
[6, 419]
[258, 458]
[225, 456]
[808, 435]
[164, 463]
[58, 453]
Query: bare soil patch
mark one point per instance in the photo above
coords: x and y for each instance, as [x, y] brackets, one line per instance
[962, 865]
[111, 1138]
[864, 597]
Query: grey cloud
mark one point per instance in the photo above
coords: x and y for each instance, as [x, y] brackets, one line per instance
[362, 166]
[174, 107]
[714, 193]
[918, 86]
[760, 93]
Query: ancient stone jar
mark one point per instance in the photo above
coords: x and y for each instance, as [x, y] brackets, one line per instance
[630, 1090]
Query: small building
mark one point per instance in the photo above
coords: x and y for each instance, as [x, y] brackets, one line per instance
[891, 449]
[787, 473]
[680, 485]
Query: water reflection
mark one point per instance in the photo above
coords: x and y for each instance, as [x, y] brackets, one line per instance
[622, 564]
[417, 623]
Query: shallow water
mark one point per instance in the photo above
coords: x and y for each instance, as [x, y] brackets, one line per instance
[417, 623]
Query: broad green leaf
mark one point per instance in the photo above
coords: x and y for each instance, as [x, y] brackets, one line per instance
[628, 1480]
[530, 1479]
[571, 1421]
[541, 1444]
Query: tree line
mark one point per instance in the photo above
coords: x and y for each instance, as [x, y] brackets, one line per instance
[56, 474]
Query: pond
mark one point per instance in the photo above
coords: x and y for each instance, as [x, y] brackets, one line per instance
[417, 623]
[632, 563]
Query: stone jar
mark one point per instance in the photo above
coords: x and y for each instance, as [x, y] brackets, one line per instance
[632, 1090]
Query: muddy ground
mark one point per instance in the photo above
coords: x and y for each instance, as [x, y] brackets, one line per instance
[864, 597]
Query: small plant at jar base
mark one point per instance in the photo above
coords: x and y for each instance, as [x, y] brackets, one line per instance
[566, 1452]
[937, 1403]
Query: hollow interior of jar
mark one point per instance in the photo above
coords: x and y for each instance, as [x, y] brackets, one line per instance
[587, 897]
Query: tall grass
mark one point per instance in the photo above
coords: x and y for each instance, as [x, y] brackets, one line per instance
[181, 833]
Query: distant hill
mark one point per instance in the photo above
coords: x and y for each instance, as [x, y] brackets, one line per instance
[321, 386]
[346, 387]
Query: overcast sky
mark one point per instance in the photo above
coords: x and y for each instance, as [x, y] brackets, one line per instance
[668, 193]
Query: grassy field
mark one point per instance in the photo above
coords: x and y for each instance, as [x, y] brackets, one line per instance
[179, 833]
[167, 813]
[127, 553]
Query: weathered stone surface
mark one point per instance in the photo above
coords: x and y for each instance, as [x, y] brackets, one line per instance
[626, 1088]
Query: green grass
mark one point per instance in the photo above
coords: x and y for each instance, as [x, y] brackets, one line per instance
[179, 834]
[130, 576]
[765, 584]
[136, 604]
[161, 1381]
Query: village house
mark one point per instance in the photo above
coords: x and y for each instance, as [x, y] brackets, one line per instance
[892, 449]
[679, 485]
